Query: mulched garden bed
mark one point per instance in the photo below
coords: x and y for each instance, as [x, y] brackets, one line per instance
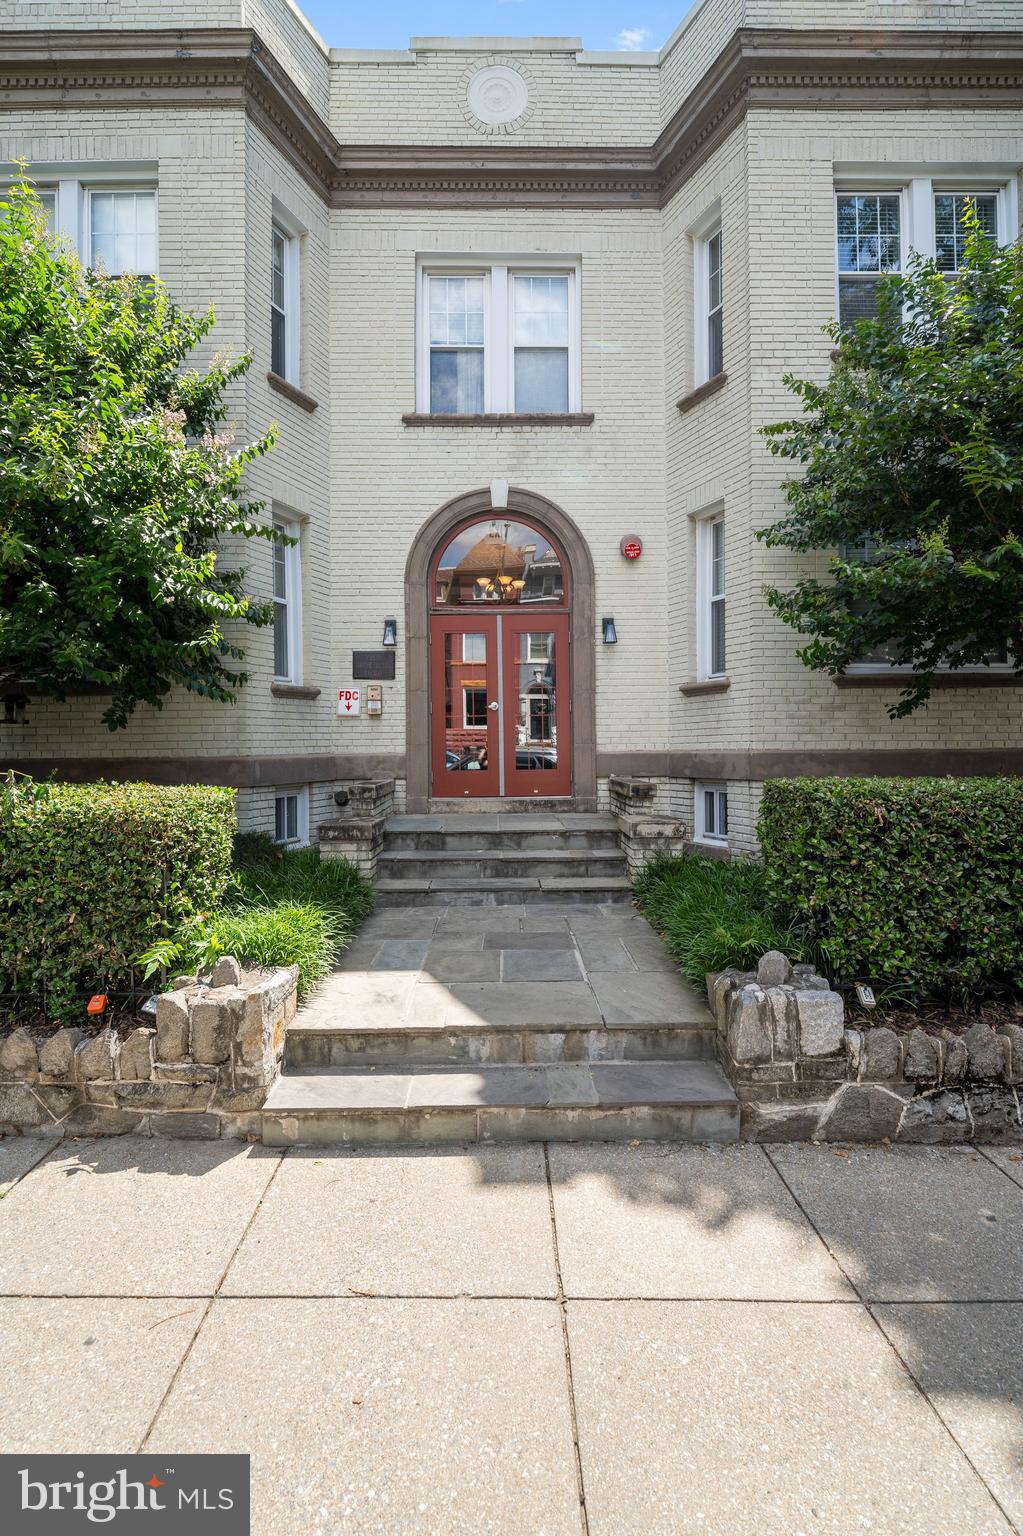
[904, 1017]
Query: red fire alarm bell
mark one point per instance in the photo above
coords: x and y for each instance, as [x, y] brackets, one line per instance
[631, 546]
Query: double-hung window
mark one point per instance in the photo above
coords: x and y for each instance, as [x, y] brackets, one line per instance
[284, 322]
[287, 603]
[291, 817]
[501, 338]
[875, 230]
[122, 232]
[540, 343]
[711, 807]
[48, 207]
[710, 597]
[457, 342]
[709, 352]
[111, 221]
[869, 245]
[715, 309]
[950, 228]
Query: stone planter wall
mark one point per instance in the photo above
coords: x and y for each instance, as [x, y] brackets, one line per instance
[204, 1069]
[642, 833]
[802, 1075]
[357, 832]
[644, 837]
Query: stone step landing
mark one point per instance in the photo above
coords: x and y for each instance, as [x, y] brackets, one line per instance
[672, 1100]
[494, 863]
[316, 1047]
[500, 858]
[507, 890]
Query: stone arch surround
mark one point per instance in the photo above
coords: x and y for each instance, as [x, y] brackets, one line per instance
[550, 517]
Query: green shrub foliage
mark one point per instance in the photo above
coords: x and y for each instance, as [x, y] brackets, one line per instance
[712, 914]
[910, 884]
[92, 874]
[283, 907]
[122, 509]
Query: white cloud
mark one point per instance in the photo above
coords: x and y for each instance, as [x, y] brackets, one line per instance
[631, 39]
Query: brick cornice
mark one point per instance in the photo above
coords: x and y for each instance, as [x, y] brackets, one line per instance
[759, 69]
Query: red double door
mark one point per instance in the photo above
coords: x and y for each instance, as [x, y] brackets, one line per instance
[500, 722]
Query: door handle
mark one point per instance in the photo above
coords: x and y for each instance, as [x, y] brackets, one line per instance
[493, 706]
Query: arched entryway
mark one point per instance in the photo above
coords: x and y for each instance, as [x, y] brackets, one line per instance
[499, 614]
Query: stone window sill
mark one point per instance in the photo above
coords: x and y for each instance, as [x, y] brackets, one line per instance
[500, 419]
[293, 691]
[887, 679]
[708, 849]
[290, 392]
[696, 689]
[703, 392]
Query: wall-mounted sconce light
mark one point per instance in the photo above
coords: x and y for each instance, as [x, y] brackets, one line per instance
[610, 632]
[390, 632]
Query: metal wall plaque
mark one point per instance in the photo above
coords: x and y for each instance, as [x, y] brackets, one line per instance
[378, 665]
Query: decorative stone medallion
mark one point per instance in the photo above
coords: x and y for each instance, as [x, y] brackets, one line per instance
[497, 98]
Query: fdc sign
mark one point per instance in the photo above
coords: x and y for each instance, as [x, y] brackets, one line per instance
[349, 701]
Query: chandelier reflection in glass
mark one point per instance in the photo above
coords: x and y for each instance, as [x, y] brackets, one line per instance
[503, 586]
[504, 563]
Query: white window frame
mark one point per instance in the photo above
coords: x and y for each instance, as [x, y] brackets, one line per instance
[99, 189]
[72, 182]
[498, 351]
[292, 596]
[702, 315]
[701, 834]
[905, 227]
[300, 794]
[917, 193]
[292, 296]
[468, 688]
[706, 597]
[962, 191]
[474, 635]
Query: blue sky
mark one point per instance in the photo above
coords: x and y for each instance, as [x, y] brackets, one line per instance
[600, 23]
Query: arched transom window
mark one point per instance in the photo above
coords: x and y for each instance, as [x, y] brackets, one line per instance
[499, 561]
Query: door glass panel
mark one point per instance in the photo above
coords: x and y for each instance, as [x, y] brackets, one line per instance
[466, 699]
[499, 562]
[536, 717]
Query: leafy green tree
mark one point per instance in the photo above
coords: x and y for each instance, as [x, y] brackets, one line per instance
[913, 472]
[117, 484]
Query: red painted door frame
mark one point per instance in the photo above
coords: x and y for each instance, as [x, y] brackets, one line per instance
[450, 736]
[521, 777]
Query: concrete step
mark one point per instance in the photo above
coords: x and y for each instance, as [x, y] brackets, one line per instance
[504, 805]
[506, 890]
[318, 1047]
[494, 863]
[673, 1100]
[493, 835]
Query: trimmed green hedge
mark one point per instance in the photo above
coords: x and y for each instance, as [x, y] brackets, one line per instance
[914, 885]
[93, 874]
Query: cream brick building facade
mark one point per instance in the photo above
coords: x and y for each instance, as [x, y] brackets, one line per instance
[618, 168]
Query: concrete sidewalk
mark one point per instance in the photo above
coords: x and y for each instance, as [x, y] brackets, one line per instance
[527, 1341]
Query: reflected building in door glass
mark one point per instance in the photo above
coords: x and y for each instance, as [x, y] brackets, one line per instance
[499, 563]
